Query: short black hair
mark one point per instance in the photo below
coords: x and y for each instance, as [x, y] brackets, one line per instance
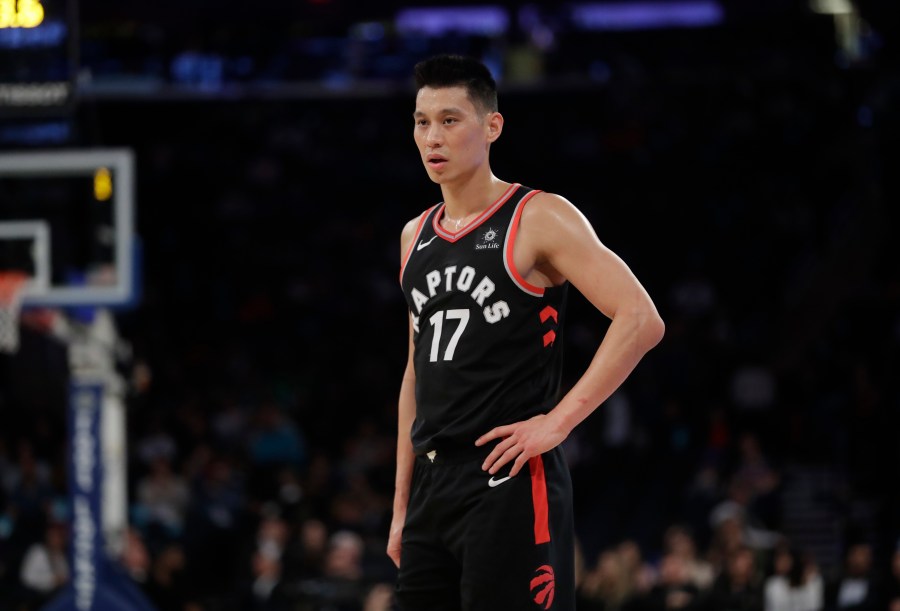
[459, 71]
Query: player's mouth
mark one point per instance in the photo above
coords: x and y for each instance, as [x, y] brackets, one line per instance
[436, 161]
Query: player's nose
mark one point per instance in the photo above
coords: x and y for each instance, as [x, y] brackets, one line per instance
[434, 136]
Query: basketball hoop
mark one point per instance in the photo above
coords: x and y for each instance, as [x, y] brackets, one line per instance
[12, 285]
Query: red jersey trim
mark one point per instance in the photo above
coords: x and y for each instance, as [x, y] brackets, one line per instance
[453, 237]
[508, 260]
[539, 498]
[409, 251]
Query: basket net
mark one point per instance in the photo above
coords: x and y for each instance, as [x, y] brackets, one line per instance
[12, 284]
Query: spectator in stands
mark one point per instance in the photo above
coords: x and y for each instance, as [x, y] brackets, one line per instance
[738, 587]
[163, 496]
[45, 567]
[229, 425]
[640, 575]
[344, 557]
[607, 587]
[274, 442]
[755, 473]
[30, 486]
[727, 522]
[678, 541]
[218, 511]
[274, 439]
[272, 535]
[795, 584]
[702, 494]
[358, 506]
[314, 546]
[734, 526]
[135, 557]
[156, 441]
[343, 585]
[379, 598]
[674, 590]
[167, 587]
[892, 589]
[855, 589]
[267, 590]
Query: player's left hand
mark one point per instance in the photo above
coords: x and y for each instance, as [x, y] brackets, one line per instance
[521, 441]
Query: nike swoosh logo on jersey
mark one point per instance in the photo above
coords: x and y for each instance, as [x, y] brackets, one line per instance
[493, 483]
[422, 245]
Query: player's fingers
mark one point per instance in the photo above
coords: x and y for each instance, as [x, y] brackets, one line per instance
[504, 458]
[496, 453]
[393, 552]
[495, 433]
[517, 466]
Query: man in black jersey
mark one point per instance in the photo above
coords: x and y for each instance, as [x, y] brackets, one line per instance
[482, 507]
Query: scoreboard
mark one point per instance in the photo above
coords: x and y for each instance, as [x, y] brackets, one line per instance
[38, 57]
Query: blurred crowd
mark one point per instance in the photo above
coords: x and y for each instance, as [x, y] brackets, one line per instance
[745, 179]
[733, 576]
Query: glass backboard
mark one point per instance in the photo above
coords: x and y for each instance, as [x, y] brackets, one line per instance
[67, 220]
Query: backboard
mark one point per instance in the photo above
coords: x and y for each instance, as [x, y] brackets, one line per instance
[67, 220]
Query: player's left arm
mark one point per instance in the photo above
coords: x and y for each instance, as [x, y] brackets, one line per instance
[556, 243]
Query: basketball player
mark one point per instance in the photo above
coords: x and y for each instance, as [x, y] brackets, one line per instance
[483, 502]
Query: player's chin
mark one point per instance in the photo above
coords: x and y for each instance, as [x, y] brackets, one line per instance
[437, 177]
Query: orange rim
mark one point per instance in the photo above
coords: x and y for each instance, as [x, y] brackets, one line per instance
[11, 285]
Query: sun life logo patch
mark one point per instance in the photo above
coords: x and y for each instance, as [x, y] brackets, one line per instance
[488, 239]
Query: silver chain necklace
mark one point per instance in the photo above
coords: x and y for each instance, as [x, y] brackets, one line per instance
[457, 221]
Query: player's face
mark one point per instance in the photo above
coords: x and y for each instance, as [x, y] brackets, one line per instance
[453, 136]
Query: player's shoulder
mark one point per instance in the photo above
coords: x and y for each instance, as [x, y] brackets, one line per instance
[547, 207]
[412, 227]
[413, 224]
[550, 222]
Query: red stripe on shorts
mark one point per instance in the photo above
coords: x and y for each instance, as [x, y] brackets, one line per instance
[539, 498]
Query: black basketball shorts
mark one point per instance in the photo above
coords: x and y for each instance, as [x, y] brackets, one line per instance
[476, 542]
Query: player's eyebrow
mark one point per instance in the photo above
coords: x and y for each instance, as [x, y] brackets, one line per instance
[452, 110]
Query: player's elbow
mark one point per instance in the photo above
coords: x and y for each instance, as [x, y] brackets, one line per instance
[650, 325]
[655, 329]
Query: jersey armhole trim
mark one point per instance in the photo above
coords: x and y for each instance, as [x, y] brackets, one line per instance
[409, 251]
[508, 260]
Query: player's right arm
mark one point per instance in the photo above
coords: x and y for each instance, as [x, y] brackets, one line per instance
[406, 413]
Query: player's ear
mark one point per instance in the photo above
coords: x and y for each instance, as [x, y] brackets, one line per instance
[494, 126]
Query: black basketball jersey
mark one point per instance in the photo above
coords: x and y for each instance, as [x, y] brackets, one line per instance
[488, 345]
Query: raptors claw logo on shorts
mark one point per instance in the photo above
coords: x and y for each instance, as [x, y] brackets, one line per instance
[543, 585]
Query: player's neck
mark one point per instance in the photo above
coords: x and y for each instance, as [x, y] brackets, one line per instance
[472, 196]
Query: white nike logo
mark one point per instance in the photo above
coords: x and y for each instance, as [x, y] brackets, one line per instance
[493, 483]
[422, 245]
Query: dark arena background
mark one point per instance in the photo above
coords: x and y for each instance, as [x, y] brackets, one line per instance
[740, 155]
